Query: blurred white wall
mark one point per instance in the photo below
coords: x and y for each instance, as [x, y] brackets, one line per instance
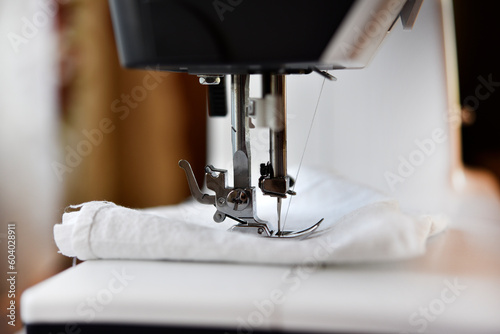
[373, 120]
[29, 189]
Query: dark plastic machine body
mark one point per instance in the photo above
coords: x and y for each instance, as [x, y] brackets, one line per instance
[226, 36]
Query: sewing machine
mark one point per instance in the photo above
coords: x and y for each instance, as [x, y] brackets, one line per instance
[226, 42]
[235, 39]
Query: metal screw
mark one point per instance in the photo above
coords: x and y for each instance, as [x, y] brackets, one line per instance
[239, 199]
[209, 79]
[260, 230]
[221, 201]
[219, 217]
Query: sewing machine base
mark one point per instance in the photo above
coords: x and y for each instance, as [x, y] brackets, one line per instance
[133, 329]
[455, 285]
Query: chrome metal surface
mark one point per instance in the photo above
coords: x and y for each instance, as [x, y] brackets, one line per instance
[240, 131]
[209, 80]
[301, 233]
[193, 185]
[239, 201]
[277, 145]
[274, 180]
[324, 74]
[253, 228]
[235, 203]
[279, 216]
[238, 198]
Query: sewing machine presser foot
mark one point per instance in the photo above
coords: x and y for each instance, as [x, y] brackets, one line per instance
[235, 203]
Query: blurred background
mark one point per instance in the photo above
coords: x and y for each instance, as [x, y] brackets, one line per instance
[76, 127]
[478, 37]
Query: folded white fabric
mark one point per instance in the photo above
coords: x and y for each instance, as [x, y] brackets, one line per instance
[360, 225]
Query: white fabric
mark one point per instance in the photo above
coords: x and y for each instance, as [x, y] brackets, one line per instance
[360, 225]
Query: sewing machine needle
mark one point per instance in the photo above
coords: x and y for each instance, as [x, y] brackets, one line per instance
[279, 216]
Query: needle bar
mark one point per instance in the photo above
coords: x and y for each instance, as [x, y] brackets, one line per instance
[279, 216]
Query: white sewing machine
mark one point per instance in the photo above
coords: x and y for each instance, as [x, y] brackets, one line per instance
[212, 40]
[376, 115]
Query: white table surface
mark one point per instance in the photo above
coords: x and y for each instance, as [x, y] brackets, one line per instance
[410, 296]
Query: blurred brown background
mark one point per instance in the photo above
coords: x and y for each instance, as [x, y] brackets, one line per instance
[152, 120]
[158, 118]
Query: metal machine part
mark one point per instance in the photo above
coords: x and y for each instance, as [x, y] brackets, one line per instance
[239, 202]
[213, 41]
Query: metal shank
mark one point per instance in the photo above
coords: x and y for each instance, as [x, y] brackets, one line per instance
[239, 202]
[240, 131]
[277, 134]
[274, 180]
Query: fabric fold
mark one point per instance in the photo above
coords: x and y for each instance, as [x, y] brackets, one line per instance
[360, 225]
